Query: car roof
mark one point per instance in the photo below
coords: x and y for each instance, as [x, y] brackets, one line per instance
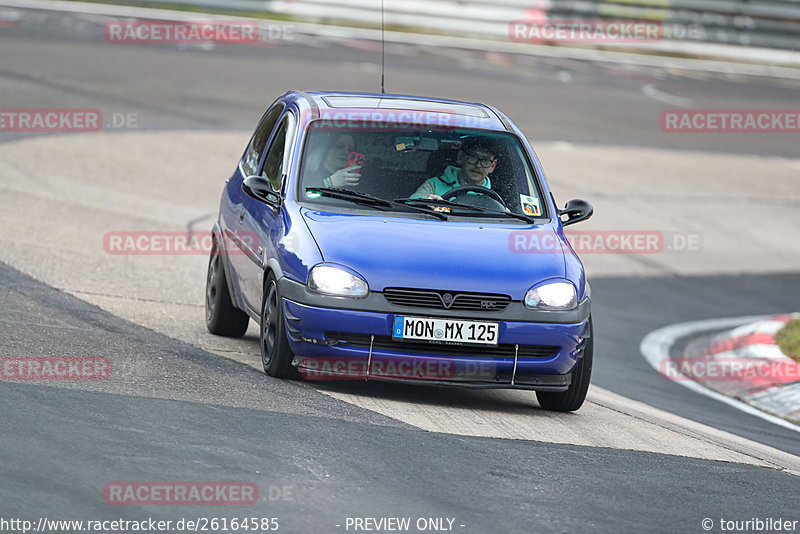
[395, 107]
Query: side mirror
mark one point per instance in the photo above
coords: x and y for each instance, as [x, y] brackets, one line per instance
[576, 210]
[261, 189]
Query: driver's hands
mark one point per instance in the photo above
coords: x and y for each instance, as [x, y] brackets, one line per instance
[434, 196]
[345, 177]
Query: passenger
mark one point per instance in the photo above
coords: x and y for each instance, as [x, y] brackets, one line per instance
[476, 160]
[331, 170]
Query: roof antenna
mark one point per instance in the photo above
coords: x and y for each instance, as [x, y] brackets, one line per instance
[383, 54]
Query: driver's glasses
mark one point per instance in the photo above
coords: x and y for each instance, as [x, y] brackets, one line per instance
[472, 159]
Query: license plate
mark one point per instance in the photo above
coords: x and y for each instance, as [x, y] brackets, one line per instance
[445, 330]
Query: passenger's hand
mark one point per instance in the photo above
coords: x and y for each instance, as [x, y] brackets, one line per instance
[434, 196]
[347, 177]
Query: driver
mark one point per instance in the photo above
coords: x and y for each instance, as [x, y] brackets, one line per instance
[477, 160]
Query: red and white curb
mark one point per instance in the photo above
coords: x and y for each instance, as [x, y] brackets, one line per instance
[749, 365]
[742, 366]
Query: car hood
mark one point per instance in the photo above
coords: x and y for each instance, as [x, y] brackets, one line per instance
[429, 253]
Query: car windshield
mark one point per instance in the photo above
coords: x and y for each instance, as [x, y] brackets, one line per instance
[464, 171]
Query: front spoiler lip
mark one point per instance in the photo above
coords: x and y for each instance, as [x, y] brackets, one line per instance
[376, 302]
[471, 384]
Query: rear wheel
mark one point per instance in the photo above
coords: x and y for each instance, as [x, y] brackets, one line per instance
[222, 318]
[276, 356]
[572, 399]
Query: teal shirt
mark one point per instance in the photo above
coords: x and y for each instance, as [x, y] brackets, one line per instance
[444, 183]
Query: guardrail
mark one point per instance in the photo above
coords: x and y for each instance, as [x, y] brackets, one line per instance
[752, 23]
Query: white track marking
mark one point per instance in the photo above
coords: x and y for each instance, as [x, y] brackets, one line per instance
[650, 90]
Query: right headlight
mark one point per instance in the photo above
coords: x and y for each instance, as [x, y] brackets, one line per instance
[330, 280]
[552, 296]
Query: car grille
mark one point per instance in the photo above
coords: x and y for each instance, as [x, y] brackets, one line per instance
[494, 351]
[446, 300]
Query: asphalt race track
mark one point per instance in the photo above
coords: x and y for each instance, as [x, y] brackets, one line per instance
[643, 454]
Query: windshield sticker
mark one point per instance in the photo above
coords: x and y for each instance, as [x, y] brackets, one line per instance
[530, 205]
[312, 193]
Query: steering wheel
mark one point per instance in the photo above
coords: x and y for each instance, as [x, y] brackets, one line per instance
[488, 195]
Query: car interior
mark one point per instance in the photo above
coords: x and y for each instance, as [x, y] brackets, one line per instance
[395, 166]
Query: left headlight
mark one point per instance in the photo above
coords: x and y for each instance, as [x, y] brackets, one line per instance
[552, 296]
[330, 280]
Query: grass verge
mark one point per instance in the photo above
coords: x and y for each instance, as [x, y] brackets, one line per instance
[789, 339]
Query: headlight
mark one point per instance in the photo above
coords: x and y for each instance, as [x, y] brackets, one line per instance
[338, 282]
[552, 296]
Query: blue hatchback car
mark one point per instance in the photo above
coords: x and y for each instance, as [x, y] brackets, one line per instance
[393, 237]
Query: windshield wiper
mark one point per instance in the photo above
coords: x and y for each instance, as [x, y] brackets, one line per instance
[364, 198]
[448, 204]
[349, 194]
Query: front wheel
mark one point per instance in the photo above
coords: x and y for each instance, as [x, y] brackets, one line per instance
[572, 399]
[276, 356]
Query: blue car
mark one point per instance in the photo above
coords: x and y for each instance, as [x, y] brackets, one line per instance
[393, 237]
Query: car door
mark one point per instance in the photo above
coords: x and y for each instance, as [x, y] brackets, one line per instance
[259, 221]
[233, 208]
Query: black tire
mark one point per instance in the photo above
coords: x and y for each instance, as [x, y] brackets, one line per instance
[276, 356]
[222, 318]
[572, 399]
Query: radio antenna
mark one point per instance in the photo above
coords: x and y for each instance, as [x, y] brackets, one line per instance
[383, 52]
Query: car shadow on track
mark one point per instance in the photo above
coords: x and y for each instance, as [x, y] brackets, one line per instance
[485, 400]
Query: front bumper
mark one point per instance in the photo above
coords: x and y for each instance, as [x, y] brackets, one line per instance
[337, 339]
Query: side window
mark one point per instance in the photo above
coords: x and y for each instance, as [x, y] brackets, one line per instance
[278, 153]
[252, 156]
